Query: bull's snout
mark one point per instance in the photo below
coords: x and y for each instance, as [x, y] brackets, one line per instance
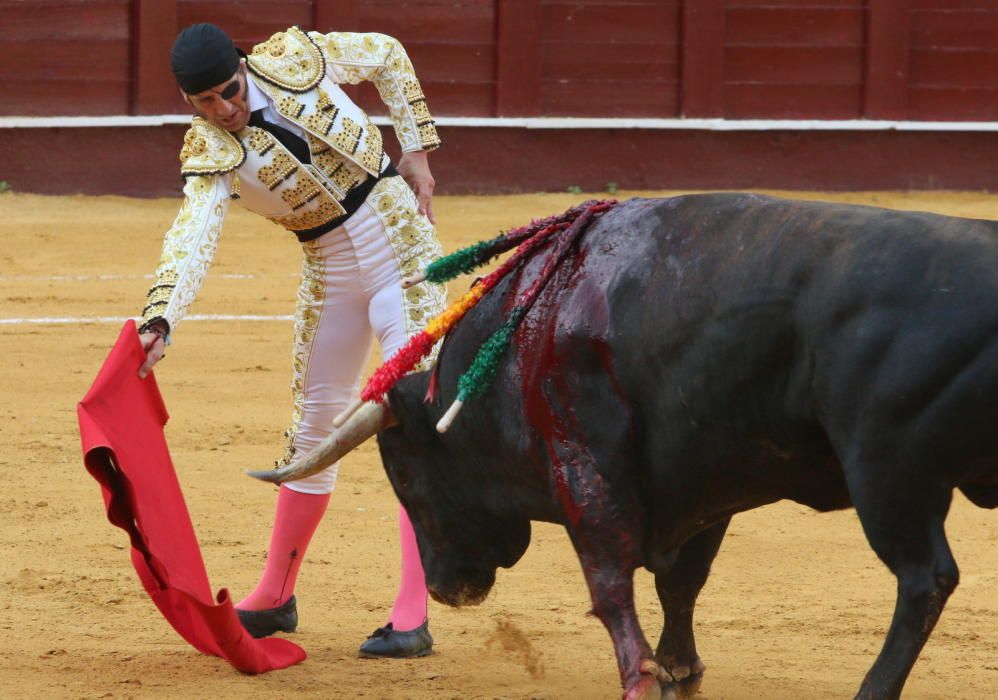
[467, 587]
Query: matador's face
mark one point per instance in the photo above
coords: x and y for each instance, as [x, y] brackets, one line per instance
[225, 105]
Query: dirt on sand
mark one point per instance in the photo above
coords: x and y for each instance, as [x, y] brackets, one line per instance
[797, 605]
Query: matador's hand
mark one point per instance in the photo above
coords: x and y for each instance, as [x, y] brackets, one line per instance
[155, 348]
[415, 169]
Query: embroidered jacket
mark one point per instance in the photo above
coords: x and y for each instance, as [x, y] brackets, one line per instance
[300, 74]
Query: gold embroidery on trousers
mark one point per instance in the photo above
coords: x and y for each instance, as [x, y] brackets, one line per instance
[308, 311]
[415, 246]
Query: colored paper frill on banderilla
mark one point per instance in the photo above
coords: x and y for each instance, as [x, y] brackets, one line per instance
[121, 425]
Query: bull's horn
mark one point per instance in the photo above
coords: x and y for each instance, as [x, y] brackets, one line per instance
[372, 418]
[342, 418]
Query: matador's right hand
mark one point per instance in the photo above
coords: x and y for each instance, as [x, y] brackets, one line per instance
[155, 348]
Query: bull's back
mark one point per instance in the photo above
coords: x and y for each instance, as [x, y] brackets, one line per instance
[750, 325]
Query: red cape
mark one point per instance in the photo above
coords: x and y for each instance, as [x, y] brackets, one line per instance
[121, 424]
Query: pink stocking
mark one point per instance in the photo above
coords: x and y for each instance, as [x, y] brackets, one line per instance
[410, 604]
[298, 515]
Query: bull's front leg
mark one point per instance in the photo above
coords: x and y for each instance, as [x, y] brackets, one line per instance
[678, 584]
[605, 525]
[612, 592]
[585, 423]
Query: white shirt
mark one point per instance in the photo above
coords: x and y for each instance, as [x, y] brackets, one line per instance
[258, 99]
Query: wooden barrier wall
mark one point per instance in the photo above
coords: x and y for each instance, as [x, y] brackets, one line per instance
[904, 60]
[815, 59]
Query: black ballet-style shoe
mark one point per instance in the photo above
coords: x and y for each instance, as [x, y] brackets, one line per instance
[263, 623]
[388, 643]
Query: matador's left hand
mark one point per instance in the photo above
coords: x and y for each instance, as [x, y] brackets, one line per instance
[415, 169]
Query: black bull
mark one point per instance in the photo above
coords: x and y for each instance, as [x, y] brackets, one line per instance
[699, 356]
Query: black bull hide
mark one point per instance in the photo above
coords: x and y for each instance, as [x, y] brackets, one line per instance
[699, 356]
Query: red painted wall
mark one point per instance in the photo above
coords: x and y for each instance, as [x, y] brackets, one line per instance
[819, 59]
[773, 59]
[65, 57]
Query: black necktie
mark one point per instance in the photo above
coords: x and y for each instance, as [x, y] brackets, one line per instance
[295, 144]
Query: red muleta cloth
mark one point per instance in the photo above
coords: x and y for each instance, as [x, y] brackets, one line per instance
[121, 424]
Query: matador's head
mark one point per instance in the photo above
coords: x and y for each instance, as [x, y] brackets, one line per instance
[211, 74]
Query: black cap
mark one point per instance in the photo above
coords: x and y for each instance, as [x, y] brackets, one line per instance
[203, 56]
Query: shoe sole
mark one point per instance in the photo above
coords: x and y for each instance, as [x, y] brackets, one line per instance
[417, 655]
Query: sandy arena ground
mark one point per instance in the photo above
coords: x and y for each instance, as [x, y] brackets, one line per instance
[797, 606]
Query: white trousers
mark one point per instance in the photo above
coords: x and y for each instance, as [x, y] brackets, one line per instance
[351, 290]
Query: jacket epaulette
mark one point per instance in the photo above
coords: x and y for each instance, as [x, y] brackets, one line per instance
[289, 60]
[209, 150]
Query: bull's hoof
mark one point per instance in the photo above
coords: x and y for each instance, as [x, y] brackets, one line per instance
[648, 688]
[686, 688]
[681, 678]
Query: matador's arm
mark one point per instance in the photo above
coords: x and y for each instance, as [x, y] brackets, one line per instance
[352, 58]
[188, 249]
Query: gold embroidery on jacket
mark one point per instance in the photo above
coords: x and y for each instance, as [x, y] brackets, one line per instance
[260, 140]
[288, 60]
[421, 112]
[208, 150]
[341, 173]
[279, 170]
[304, 191]
[321, 122]
[412, 91]
[428, 135]
[323, 213]
[325, 102]
[290, 107]
[188, 248]
[354, 57]
[346, 179]
[370, 158]
[349, 136]
[317, 145]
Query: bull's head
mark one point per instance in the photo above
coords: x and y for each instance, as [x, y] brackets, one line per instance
[465, 525]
